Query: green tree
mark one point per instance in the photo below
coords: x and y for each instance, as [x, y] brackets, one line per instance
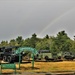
[72, 48]
[34, 40]
[4, 43]
[47, 36]
[12, 42]
[31, 42]
[61, 42]
[19, 40]
[27, 42]
[43, 44]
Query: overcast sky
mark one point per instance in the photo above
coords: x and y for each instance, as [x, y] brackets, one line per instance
[25, 17]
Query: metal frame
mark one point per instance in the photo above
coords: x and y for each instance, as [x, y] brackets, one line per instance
[33, 50]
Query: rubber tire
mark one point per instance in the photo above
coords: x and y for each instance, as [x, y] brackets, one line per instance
[4, 58]
[46, 58]
[9, 59]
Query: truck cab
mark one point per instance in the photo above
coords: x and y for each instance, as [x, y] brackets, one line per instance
[44, 54]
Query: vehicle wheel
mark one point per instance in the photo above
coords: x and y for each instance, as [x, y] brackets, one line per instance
[4, 58]
[9, 59]
[59, 57]
[46, 58]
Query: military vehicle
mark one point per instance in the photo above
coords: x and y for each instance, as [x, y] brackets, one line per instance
[1, 52]
[68, 56]
[13, 54]
[47, 55]
[8, 54]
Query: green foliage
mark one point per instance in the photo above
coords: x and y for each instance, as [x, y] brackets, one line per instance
[19, 40]
[57, 44]
[31, 42]
[4, 43]
[27, 42]
[12, 42]
[61, 42]
[47, 36]
[43, 44]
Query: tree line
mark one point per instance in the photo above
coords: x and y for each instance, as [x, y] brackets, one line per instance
[55, 44]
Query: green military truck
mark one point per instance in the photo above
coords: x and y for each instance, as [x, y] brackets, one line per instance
[47, 55]
[68, 56]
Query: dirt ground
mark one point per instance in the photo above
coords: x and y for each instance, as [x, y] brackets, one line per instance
[44, 68]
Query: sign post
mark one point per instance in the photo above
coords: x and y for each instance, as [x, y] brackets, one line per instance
[33, 60]
[19, 58]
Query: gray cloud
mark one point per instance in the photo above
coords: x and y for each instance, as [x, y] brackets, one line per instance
[25, 17]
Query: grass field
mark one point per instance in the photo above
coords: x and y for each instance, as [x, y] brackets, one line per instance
[63, 66]
[49, 66]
